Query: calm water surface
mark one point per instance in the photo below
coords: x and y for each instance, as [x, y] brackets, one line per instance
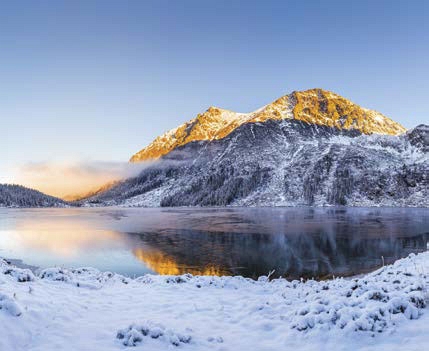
[295, 242]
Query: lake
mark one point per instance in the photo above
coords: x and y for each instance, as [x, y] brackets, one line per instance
[294, 242]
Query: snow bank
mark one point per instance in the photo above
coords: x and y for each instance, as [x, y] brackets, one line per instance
[85, 309]
[9, 305]
[82, 277]
[21, 275]
[135, 334]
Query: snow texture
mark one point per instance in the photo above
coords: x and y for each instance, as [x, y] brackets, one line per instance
[85, 309]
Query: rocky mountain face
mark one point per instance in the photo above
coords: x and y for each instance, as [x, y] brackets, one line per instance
[19, 196]
[289, 162]
[315, 106]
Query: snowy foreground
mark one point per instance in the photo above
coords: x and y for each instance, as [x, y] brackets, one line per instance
[85, 309]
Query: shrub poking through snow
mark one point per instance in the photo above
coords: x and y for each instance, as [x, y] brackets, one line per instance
[86, 277]
[56, 274]
[184, 278]
[21, 275]
[135, 334]
[9, 305]
[373, 303]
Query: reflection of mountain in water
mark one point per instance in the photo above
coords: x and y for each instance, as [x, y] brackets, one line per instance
[164, 264]
[252, 255]
[296, 242]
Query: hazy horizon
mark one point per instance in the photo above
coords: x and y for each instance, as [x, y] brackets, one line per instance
[93, 82]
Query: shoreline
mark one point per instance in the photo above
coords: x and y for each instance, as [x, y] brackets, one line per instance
[19, 263]
[85, 309]
[119, 206]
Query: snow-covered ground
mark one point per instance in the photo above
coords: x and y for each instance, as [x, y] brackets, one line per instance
[85, 309]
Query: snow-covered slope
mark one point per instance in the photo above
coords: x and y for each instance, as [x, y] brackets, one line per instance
[86, 310]
[314, 106]
[19, 196]
[285, 163]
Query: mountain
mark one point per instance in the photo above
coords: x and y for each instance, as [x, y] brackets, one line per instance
[77, 197]
[19, 196]
[315, 106]
[287, 162]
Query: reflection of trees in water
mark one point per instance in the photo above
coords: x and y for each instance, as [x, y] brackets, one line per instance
[318, 254]
[296, 242]
[337, 221]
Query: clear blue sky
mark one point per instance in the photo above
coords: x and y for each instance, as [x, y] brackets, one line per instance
[100, 79]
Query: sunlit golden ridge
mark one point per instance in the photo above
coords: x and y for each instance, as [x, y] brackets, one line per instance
[315, 106]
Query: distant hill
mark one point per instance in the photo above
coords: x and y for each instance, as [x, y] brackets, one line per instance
[19, 196]
[76, 198]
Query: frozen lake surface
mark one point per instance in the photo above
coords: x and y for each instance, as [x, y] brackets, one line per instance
[295, 242]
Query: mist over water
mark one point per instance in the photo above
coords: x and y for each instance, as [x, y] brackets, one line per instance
[295, 242]
[69, 180]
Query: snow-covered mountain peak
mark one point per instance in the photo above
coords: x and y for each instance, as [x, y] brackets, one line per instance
[314, 106]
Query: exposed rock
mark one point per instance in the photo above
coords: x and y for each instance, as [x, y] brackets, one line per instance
[314, 106]
[285, 163]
